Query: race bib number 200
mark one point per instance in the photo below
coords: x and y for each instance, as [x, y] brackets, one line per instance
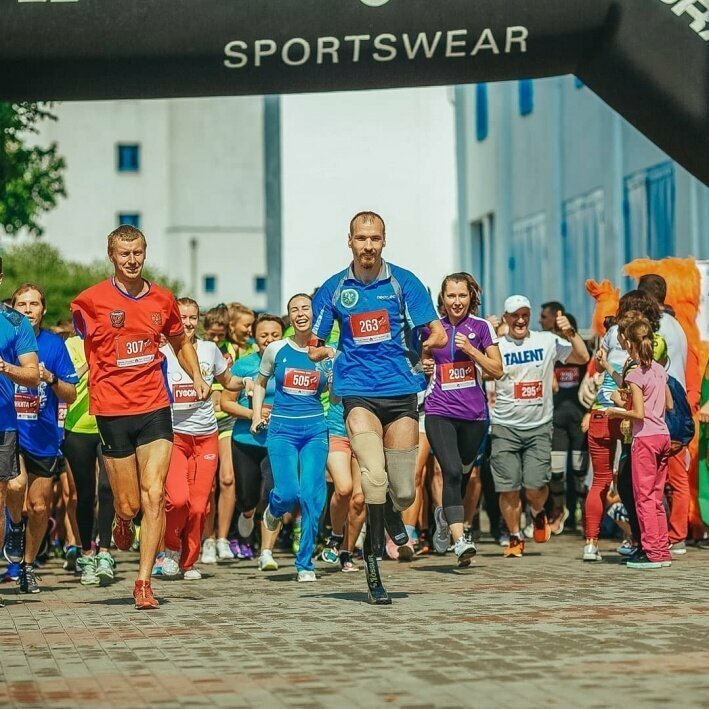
[134, 350]
[368, 328]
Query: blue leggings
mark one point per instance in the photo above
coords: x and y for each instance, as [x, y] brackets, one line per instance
[293, 445]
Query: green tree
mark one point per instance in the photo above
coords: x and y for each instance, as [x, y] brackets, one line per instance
[31, 176]
[62, 280]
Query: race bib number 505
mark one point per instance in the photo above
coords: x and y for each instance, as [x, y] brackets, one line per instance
[134, 350]
[301, 382]
[368, 328]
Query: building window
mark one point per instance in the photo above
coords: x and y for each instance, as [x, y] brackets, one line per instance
[260, 284]
[649, 209]
[526, 97]
[128, 158]
[129, 218]
[210, 284]
[481, 112]
[527, 269]
[583, 233]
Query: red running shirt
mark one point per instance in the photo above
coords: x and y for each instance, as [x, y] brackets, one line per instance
[122, 344]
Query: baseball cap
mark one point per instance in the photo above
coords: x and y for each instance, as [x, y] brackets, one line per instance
[515, 302]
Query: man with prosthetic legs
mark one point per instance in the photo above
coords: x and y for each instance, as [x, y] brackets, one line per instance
[377, 374]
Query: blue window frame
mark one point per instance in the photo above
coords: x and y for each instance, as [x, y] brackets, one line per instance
[260, 284]
[210, 284]
[129, 218]
[526, 97]
[128, 157]
[481, 112]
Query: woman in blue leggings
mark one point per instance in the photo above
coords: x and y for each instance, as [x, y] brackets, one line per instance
[297, 440]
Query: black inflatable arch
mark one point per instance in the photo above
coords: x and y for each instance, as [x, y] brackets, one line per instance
[648, 59]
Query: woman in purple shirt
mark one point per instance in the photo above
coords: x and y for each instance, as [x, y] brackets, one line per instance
[456, 403]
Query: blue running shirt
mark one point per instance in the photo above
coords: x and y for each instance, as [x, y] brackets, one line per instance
[377, 356]
[249, 367]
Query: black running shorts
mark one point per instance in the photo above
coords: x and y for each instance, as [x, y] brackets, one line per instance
[41, 466]
[121, 435]
[9, 456]
[386, 409]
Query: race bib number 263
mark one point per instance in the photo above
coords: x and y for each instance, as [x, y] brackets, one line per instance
[368, 328]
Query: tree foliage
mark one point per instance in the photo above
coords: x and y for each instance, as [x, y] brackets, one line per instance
[31, 176]
[62, 280]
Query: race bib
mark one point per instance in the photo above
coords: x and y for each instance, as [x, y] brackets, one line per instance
[134, 350]
[301, 382]
[457, 375]
[368, 328]
[528, 393]
[26, 406]
[568, 377]
[61, 413]
[184, 397]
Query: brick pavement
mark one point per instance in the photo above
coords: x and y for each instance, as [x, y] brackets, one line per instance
[546, 629]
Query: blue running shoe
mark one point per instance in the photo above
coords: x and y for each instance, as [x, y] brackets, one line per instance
[14, 549]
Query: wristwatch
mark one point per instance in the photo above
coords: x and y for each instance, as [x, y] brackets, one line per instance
[53, 380]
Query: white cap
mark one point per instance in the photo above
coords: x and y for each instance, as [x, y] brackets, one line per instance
[516, 302]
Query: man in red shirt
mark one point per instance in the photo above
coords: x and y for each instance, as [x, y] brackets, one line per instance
[121, 321]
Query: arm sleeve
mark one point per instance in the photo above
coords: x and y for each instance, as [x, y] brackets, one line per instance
[173, 325]
[64, 366]
[268, 361]
[26, 341]
[323, 313]
[418, 303]
[563, 349]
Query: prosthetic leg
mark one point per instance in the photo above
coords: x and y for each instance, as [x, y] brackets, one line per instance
[373, 543]
[397, 531]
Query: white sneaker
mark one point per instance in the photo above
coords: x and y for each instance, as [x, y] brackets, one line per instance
[192, 575]
[504, 539]
[442, 535]
[171, 563]
[306, 576]
[209, 551]
[270, 522]
[266, 562]
[528, 531]
[224, 552]
[590, 553]
[465, 551]
[245, 525]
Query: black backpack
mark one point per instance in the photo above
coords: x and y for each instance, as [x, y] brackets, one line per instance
[679, 420]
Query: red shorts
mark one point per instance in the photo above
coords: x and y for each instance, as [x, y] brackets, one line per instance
[340, 444]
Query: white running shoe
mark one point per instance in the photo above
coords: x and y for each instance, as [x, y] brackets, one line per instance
[245, 525]
[224, 552]
[306, 576]
[590, 553]
[209, 551]
[528, 531]
[171, 563]
[442, 535]
[192, 575]
[465, 551]
[266, 562]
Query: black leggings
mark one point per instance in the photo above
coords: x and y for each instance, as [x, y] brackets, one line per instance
[83, 452]
[252, 473]
[626, 494]
[455, 444]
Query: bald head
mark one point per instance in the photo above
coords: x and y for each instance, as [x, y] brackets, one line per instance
[367, 219]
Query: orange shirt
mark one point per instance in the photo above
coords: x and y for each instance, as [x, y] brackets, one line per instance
[122, 344]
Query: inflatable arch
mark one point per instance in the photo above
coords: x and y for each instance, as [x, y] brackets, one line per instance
[648, 59]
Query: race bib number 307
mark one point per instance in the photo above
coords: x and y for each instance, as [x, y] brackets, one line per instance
[528, 392]
[368, 328]
[301, 382]
[457, 375]
[134, 350]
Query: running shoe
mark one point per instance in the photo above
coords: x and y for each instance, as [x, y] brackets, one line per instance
[14, 549]
[171, 563]
[465, 551]
[192, 575]
[28, 579]
[391, 549]
[270, 522]
[641, 562]
[209, 551]
[135, 546]
[245, 525]
[71, 554]
[542, 530]
[306, 576]
[406, 551]
[347, 563]
[515, 548]
[157, 566]
[295, 545]
[360, 538]
[224, 552]
[104, 567]
[678, 548]
[558, 521]
[124, 533]
[627, 548]
[86, 566]
[503, 536]
[331, 552]
[442, 535]
[266, 562]
[143, 595]
[591, 553]
[12, 573]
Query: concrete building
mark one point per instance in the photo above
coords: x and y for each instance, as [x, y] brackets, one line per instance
[555, 187]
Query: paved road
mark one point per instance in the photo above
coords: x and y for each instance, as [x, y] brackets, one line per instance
[546, 629]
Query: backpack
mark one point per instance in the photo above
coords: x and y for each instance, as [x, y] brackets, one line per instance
[679, 421]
